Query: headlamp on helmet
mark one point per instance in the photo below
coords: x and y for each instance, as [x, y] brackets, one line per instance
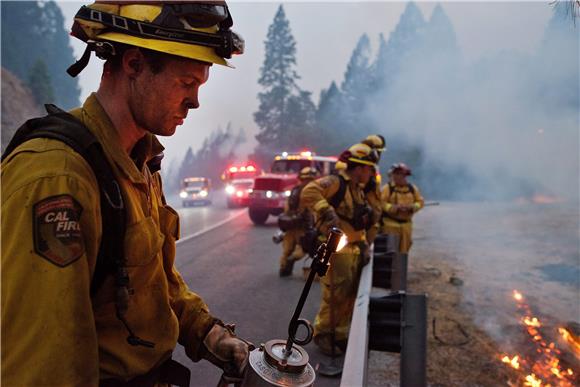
[376, 141]
[360, 154]
[195, 30]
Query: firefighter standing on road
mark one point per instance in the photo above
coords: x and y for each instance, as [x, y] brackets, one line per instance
[293, 223]
[373, 187]
[55, 331]
[339, 201]
[401, 200]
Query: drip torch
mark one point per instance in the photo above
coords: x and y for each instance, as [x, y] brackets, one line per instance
[284, 362]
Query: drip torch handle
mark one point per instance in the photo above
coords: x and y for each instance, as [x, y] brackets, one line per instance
[320, 263]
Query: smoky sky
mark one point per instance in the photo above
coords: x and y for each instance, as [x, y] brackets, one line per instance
[480, 116]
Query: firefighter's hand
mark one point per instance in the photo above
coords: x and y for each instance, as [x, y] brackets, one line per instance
[227, 351]
[329, 217]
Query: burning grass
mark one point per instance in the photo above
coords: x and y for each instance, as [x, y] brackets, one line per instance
[548, 355]
[539, 352]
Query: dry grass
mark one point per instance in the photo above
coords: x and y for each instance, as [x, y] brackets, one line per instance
[459, 353]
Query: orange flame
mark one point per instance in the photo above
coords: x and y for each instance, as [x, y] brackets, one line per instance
[342, 242]
[532, 322]
[532, 381]
[541, 366]
[572, 341]
[514, 362]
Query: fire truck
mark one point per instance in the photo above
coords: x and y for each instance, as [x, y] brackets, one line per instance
[239, 180]
[271, 190]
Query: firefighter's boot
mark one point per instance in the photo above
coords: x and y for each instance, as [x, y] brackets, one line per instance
[324, 344]
[286, 270]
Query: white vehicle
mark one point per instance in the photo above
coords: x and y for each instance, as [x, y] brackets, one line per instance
[195, 190]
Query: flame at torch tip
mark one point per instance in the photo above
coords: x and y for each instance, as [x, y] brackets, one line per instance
[343, 242]
[518, 296]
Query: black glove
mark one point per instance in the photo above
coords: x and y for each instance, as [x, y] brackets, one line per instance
[371, 185]
[329, 217]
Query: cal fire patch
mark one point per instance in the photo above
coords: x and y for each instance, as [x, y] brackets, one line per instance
[57, 230]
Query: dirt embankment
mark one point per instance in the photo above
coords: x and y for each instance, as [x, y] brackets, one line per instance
[459, 353]
[18, 105]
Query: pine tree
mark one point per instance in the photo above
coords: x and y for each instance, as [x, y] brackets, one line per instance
[356, 88]
[403, 39]
[357, 79]
[40, 84]
[328, 120]
[286, 112]
[33, 31]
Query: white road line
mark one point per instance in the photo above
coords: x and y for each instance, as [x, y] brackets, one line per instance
[212, 227]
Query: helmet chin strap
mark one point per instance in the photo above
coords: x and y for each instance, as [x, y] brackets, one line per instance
[104, 50]
[80, 64]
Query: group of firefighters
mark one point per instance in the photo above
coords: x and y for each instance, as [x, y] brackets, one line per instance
[351, 199]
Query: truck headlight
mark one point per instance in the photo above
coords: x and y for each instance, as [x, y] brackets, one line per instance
[203, 194]
[287, 193]
[269, 194]
[183, 194]
[230, 189]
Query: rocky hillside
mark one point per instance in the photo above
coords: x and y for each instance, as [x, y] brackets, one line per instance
[18, 105]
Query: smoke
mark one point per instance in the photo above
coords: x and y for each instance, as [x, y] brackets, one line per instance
[504, 127]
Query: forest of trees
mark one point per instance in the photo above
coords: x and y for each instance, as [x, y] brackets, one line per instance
[439, 114]
[218, 150]
[36, 48]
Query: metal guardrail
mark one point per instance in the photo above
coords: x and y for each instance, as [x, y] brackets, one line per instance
[354, 372]
[396, 322]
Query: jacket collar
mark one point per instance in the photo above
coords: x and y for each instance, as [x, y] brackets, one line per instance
[96, 119]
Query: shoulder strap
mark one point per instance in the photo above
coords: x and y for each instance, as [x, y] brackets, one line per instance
[60, 125]
[411, 188]
[294, 199]
[338, 197]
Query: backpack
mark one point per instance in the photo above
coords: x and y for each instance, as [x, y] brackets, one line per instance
[62, 126]
[338, 197]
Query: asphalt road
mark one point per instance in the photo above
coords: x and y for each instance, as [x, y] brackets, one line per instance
[233, 265]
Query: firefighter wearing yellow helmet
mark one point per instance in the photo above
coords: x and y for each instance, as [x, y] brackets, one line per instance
[121, 331]
[339, 201]
[293, 222]
[401, 200]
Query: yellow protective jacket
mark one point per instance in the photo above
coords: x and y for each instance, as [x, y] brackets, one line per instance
[406, 195]
[53, 333]
[317, 193]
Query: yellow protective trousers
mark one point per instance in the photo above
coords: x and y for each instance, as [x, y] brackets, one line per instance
[404, 230]
[291, 248]
[339, 288]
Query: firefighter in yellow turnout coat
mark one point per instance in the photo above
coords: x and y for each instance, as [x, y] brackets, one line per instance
[294, 221]
[54, 330]
[401, 200]
[373, 188]
[339, 200]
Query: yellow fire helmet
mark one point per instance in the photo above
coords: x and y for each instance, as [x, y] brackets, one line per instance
[191, 29]
[308, 173]
[361, 154]
[376, 141]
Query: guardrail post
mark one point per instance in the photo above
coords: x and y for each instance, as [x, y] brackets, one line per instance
[398, 323]
[414, 349]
